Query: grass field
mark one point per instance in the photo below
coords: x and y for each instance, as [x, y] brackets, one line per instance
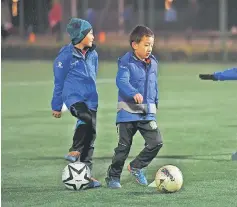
[197, 119]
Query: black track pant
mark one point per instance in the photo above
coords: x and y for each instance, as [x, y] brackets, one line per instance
[85, 132]
[126, 131]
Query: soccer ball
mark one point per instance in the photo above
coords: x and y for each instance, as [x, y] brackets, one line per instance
[76, 176]
[169, 179]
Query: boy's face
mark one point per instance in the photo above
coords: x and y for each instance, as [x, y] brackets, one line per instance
[88, 40]
[143, 49]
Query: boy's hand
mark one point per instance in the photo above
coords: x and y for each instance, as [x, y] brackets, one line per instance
[56, 114]
[138, 98]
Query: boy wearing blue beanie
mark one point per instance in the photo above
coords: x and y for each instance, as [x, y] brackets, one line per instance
[75, 70]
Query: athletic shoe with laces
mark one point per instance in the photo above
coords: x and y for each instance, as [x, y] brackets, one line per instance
[93, 184]
[113, 183]
[138, 174]
[72, 156]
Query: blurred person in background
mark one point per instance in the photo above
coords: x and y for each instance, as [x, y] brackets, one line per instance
[55, 18]
[170, 15]
[127, 15]
[91, 18]
[6, 21]
[193, 9]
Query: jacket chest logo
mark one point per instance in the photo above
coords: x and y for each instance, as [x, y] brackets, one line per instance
[60, 65]
[75, 63]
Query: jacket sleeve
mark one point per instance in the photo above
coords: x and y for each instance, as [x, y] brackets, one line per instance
[230, 74]
[122, 81]
[61, 67]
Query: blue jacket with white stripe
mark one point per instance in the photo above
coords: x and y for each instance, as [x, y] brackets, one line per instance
[75, 78]
[229, 74]
[135, 76]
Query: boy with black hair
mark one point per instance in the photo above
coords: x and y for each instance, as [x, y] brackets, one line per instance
[137, 103]
[75, 71]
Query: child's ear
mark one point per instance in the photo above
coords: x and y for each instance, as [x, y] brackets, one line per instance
[134, 45]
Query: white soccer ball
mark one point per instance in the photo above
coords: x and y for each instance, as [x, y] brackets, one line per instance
[76, 176]
[169, 179]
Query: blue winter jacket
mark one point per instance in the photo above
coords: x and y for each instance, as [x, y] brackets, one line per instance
[135, 76]
[75, 78]
[230, 74]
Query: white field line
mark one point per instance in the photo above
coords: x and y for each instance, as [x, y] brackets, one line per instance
[40, 83]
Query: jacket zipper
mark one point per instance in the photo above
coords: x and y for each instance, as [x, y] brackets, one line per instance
[86, 68]
[85, 65]
[146, 82]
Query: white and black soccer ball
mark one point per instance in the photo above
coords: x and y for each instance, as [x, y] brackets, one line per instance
[76, 176]
[169, 179]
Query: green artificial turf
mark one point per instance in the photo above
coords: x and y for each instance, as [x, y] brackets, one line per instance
[198, 121]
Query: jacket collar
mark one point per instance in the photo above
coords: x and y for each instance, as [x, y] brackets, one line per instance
[147, 60]
[78, 53]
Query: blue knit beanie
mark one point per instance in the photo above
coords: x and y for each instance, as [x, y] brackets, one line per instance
[78, 29]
